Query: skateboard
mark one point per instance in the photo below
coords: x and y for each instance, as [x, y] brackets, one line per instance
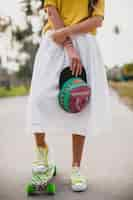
[74, 91]
[42, 186]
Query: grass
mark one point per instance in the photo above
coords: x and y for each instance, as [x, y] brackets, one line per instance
[124, 90]
[14, 91]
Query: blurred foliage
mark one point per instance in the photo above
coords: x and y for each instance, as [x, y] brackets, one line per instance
[14, 91]
[125, 91]
[114, 74]
[123, 88]
[4, 23]
[24, 74]
[20, 35]
[123, 73]
[42, 1]
[25, 71]
[25, 6]
[26, 38]
[127, 71]
[24, 41]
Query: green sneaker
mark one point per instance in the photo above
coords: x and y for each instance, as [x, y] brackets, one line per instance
[78, 182]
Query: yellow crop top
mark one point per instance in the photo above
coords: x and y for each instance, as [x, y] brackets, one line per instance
[74, 11]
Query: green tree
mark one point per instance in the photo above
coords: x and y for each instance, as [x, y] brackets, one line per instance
[26, 38]
[127, 71]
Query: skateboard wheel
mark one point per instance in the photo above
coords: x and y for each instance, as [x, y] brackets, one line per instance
[55, 171]
[51, 188]
[30, 189]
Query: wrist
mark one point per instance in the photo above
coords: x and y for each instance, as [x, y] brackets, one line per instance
[66, 31]
[68, 47]
[68, 42]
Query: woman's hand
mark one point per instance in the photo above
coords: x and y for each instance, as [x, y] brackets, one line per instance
[59, 36]
[76, 66]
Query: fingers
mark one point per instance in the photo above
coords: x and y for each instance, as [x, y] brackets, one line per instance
[79, 69]
[76, 67]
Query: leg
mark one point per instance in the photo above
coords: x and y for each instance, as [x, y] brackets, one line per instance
[41, 147]
[79, 182]
[40, 140]
[78, 145]
[42, 171]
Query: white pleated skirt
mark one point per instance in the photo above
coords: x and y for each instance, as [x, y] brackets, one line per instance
[43, 111]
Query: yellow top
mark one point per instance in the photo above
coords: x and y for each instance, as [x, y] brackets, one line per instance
[74, 11]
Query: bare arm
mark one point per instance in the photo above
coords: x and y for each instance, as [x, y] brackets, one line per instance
[54, 17]
[83, 27]
[58, 23]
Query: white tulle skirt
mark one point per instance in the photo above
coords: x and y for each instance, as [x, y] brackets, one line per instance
[43, 111]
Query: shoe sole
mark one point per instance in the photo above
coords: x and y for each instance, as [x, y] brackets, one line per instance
[79, 188]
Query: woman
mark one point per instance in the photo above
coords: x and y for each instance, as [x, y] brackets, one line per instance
[68, 40]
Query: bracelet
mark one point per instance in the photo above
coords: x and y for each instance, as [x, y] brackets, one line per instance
[67, 42]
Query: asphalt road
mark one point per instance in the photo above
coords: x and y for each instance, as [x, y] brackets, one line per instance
[108, 163]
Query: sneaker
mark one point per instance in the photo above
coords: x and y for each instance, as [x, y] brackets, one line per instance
[42, 169]
[41, 174]
[42, 155]
[78, 182]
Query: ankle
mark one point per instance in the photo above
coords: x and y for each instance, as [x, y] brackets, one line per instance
[42, 145]
[76, 164]
[42, 154]
[40, 140]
